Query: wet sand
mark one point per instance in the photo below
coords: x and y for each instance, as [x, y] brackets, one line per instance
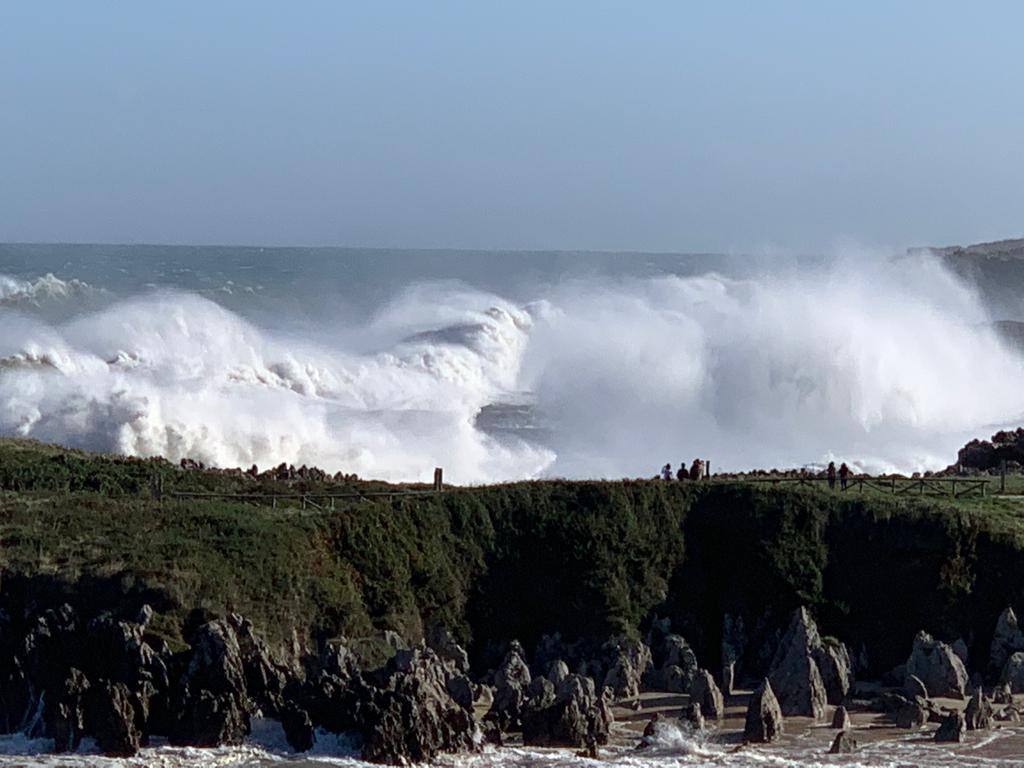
[868, 728]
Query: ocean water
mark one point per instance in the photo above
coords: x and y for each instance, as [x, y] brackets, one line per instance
[498, 365]
[673, 748]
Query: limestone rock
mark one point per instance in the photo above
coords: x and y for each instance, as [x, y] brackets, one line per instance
[914, 686]
[112, 720]
[409, 716]
[960, 649]
[1007, 640]
[674, 665]
[541, 693]
[912, 714]
[558, 671]
[511, 689]
[1013, 672]
[705, 692]
[795, 677]
[952, 729]
[1003, 695]
[764, 716]
[577, 717]
[298, 728]
[938, 667]
[631, 662]
[445, 646]
[1008, 714]
[834, 664]
[979, 714]
[843, 744]
[67, 714]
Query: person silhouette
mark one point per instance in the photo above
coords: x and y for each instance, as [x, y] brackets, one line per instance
[844, 474]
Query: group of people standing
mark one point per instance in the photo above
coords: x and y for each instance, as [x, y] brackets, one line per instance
[695, 472]
[844, 475]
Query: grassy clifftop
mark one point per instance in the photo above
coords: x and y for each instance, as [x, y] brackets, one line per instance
[584, 558]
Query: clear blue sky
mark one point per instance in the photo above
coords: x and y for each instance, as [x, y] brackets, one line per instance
[599, 125]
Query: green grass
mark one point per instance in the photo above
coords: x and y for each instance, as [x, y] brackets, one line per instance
[588, 559]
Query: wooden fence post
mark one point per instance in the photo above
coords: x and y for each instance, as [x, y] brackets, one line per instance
[438, 478]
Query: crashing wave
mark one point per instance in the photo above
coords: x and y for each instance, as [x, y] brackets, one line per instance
[888, 365]
[22, 293]
[176, 375]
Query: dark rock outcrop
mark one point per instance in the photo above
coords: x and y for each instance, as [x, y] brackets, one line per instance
[447, 648]
[410, 716]
[795, 677]
[843, 744]
[1013, 672]
[1007, 640]
[298, 728]
[705, 692]
[674, 664]
[576, 717]
[631, 661]
[67, 714]
[914, 686]
[112, 719]
[979, 714]
[841, 718]
[1002, 695]
[952, 729]
[764, 716]
[511, 689]
[938, 667]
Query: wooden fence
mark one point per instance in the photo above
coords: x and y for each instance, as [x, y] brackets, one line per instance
[321, 501]
[955, 487]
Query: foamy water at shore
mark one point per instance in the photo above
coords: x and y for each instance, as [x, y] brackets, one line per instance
[673, 748]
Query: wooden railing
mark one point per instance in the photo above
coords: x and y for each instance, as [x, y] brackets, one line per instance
[956, 487]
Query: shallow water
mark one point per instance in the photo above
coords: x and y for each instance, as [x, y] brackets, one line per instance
[674, 748]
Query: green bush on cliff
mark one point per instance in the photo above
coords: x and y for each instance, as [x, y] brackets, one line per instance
[588, 559]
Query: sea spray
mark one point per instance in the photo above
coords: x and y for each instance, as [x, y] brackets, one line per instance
[887, 364]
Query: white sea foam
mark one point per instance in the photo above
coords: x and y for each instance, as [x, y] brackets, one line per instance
[671, 747]
[887, 364]
[14, 292]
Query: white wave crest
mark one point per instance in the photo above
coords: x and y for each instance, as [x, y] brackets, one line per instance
[886, 364]
[14, 292]
[176, 375]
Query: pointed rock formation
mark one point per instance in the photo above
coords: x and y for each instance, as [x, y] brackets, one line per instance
[979, 713]
[1013, 673]
[511, 689]
[841, 718]
[764, 716]
[938, 667]
[843, 744]
[1006, 641]
[953, 728]
[914, 686]
[705, 692]
[794, 675]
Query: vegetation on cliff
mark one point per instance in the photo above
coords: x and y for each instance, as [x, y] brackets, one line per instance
[588, 559]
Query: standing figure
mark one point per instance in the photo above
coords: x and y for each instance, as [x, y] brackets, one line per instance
[682, 473]
[666, 472]
[844, 473]
[830, 473]
[697, 469]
